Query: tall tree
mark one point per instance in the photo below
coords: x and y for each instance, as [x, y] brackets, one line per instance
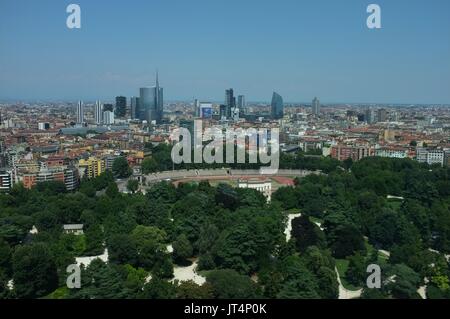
[228, 284]
[191, 290]
[34, 271]
[182, 249]
[306, 234]
[120, 167]
[132, 185]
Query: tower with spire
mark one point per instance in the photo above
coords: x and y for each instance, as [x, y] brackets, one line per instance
[151, 103]
[159, 100]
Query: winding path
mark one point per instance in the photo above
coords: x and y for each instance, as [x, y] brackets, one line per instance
[344, 293]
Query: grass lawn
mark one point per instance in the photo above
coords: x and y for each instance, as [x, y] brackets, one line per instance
[382, 258]
[59, 293]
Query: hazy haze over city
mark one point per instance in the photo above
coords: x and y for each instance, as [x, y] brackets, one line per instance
[300, 49]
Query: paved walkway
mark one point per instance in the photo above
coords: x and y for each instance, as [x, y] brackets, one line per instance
[288, 229]
[188, 273]
[344, 293]
[86, 261]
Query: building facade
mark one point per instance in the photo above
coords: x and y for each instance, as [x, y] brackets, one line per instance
[315, 106]
[430, 156]
[151, 103]
[262, 185]
[98, 113]
[80, 113]
[277, 107]
[121, 106]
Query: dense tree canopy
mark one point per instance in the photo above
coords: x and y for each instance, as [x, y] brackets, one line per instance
[236, 237]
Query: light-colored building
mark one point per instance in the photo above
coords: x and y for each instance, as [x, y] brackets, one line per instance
[108, 117]
[98, 113]
[263, 185]
[430, 156]
[75, 229]
[80, 112]
[315, 106]
[392, 152]
[5, 181]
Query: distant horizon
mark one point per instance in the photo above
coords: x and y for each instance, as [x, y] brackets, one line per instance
[286, 103]
[300, 49]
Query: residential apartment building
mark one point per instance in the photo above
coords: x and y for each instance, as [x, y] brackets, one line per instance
[91, 167]
[5, 181]
[356, 153]
[392, 152]
[430, 156]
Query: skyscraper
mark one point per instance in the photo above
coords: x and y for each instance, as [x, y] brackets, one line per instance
[382, 115]
[134, 107]
[277, 111]
[197, 108]
[230, 101]
[80, 112]
[316, 106]
[108, 107]
[369, 116]
[121, 106]
[151, 103]
[98, 113]
[108, 117]
[222, 111]
[241, 103]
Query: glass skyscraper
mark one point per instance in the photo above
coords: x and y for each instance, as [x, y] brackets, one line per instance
[80, 112]
[134, 107]
[121, 106]
[230, 102]
[151, 103]
[98, 113]
[316, 106]
[277, 111]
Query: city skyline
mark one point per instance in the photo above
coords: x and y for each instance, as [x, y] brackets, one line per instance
[308, 49]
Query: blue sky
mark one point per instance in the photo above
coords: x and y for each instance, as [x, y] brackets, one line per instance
[300, 49]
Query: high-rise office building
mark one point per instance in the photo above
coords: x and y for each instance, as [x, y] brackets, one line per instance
[108, 117]
[382, 115]
[134, 107]
[316, 106]
[230, 101]
[197, 108]
[369, 116]
[98, 113]
[121, 106]
[151, 103]
[241, 103]
[223, 112]
[80, 112]
[277, 110]
[108, 107]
